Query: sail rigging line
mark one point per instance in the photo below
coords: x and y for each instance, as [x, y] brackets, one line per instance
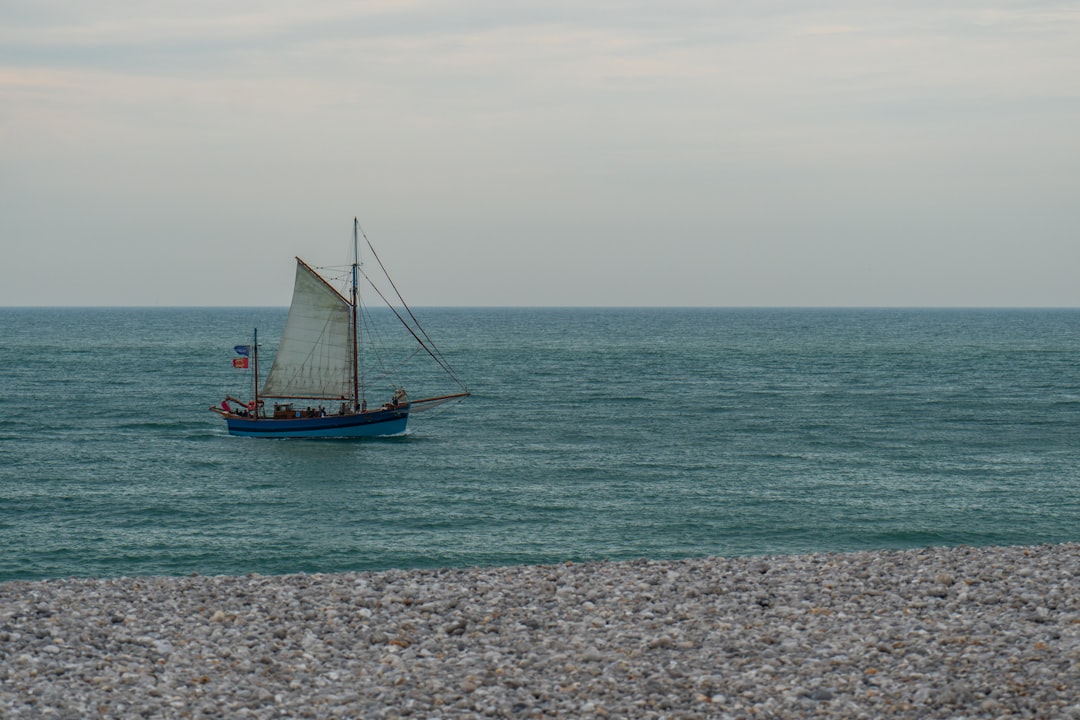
[377, 361]
[425, 342]
[374, 370]
[440, 358]
[420, 341]
[416, 322]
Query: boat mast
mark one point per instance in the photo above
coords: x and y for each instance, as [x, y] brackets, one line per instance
[355, 328]
[256, 349]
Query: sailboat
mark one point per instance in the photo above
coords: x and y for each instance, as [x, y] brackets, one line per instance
[318, 366]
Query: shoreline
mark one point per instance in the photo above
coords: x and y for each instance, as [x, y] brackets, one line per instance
[929, 632]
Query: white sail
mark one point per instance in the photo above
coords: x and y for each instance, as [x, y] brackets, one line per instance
[314, 359]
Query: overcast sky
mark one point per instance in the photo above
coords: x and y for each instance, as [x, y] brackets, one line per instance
[774, 153]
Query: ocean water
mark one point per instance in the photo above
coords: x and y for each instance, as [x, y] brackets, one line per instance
[591, 434]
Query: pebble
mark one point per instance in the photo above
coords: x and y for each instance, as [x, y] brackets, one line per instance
[924, 633]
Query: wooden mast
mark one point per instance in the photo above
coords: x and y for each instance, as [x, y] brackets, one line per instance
[355, 327]
[255, 349]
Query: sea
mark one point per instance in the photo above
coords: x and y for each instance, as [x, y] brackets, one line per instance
[591, 434]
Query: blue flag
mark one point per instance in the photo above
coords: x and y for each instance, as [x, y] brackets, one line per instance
[242, 349]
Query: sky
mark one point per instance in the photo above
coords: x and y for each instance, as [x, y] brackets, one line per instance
[543, 153]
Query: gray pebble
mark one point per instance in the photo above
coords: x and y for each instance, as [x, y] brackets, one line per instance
[926, 633]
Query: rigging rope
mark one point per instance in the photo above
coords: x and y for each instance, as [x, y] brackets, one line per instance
[442, 363]
[429, 345]
[396, 291]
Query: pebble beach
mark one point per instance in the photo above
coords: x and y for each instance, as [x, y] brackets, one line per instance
[957, 632]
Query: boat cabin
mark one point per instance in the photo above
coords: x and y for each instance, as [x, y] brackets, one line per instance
[285, 410]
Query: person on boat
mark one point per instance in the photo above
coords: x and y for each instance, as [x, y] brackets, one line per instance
[225, 405]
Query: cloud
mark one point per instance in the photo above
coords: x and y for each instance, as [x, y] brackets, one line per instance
[752, 142]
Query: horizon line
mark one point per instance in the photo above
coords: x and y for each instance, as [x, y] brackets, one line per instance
[565, 307]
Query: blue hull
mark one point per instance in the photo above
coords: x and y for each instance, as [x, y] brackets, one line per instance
[371, 424]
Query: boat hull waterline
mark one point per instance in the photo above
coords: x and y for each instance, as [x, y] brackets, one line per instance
[380, 423]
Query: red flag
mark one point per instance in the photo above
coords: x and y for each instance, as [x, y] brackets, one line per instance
[240, 363]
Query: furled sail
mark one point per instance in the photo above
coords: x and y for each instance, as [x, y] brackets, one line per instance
[314, 359]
